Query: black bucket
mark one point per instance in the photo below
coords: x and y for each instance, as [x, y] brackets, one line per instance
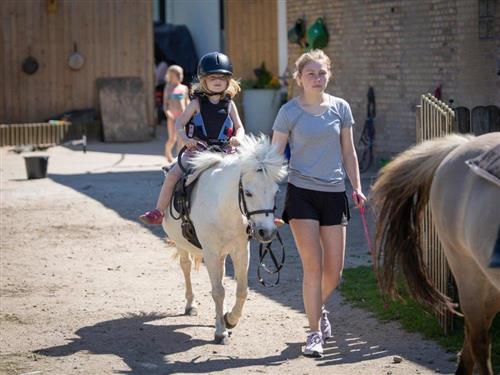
[36, 166]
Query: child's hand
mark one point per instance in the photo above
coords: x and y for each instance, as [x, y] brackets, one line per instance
[233, 141]
[191, 144]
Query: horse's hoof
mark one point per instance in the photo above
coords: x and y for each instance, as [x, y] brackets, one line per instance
[228, 325]
[191, 311]
[221, 340]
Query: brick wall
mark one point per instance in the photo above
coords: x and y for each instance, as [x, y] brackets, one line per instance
[403, 48]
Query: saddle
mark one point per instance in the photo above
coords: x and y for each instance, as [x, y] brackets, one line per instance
[487, 165]
[181, 202]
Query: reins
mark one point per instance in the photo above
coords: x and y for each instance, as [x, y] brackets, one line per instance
[264, 249]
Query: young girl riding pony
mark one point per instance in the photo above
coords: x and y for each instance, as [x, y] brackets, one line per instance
[211, 116]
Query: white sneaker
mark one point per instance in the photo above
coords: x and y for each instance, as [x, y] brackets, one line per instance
[314, 345]
[326, 327]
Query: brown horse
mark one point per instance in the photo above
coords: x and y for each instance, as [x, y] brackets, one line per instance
[466, 213]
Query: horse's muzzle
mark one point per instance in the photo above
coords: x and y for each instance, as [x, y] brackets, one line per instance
[264, 234]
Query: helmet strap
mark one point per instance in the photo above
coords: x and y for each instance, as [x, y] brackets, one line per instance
[212, 93]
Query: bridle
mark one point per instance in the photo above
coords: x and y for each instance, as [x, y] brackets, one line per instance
[248, 214]
[264, 248]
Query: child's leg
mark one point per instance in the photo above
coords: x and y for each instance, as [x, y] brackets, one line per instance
[157, 215]
[180, 144]
[173, 175]
[172, 137]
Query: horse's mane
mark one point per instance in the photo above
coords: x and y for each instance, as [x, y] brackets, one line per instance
[254, 153]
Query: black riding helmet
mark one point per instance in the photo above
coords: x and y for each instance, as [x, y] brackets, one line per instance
[214, 62]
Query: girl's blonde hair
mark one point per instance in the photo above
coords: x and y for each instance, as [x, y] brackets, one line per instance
[307, 57]
[233, 87]
[177, 70]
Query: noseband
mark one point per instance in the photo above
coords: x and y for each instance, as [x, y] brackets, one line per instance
[264, 249]
[248, 214]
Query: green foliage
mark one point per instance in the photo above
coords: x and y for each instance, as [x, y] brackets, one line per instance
[360, 289]
[264, 80]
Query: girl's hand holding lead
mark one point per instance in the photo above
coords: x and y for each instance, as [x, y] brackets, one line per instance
[359, 198]
[190, 143]
[233, 141]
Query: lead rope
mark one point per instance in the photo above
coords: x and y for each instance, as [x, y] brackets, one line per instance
[367, 235]
[263, 251]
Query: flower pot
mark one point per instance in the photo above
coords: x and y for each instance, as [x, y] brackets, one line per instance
[36, 166]
[260, 107]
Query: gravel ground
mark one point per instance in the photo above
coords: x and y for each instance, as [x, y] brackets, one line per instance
[86, 289]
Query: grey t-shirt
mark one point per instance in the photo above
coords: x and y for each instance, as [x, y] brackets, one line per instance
[316, 157]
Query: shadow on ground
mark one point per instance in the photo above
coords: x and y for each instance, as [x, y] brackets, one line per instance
[141, 344]
[144, 341]
[143, 347]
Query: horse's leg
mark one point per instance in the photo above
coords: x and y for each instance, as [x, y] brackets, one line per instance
[478, 319]
[477, 302]
[186, 265]
[465, 357]
[477, 346]
[240, 263]
[215, 266]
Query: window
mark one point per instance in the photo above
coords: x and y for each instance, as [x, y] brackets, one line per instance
[486, 19]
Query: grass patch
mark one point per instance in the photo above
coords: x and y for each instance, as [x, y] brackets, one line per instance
[360, 289]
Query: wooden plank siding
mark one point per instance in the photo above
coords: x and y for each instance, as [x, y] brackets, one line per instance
[114, 37]
[252, 35]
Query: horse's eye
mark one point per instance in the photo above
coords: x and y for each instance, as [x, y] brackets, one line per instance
[248, 194]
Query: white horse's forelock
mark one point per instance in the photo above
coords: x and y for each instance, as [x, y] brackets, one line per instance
[254, 153]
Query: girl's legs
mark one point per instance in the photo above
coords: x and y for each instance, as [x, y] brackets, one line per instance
[321, 250]
[156, 216]
[172, 137]
[333, 244]
[173, 175]
[307, 237]
[179, 145]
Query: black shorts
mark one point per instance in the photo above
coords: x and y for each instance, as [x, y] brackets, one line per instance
[329, 208]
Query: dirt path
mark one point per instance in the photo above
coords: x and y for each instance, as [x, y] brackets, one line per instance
[86, 289]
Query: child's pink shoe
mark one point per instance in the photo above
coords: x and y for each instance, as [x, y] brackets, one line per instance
[152, 217]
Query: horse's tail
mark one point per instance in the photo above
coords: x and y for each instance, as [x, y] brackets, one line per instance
[195, 259]
[399, 196]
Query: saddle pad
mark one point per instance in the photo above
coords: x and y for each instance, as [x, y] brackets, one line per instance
[487, 165]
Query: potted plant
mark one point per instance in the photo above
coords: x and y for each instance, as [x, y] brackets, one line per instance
[261, 101]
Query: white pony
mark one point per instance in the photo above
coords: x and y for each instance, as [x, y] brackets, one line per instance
[228, 186]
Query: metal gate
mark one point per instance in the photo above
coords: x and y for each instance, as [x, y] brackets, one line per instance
[40, 134]
[435, 119]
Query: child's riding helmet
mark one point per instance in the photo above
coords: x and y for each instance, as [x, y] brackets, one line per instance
[214, 62]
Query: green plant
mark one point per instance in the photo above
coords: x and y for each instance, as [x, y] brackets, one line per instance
[264, 79]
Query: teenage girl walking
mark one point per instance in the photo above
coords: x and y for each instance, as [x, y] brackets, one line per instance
[318, 127]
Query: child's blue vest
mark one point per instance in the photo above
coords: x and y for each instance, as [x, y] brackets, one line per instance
[213, 122]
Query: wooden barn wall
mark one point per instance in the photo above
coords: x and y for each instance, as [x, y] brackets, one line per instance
[251, 31]
[115, 38]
